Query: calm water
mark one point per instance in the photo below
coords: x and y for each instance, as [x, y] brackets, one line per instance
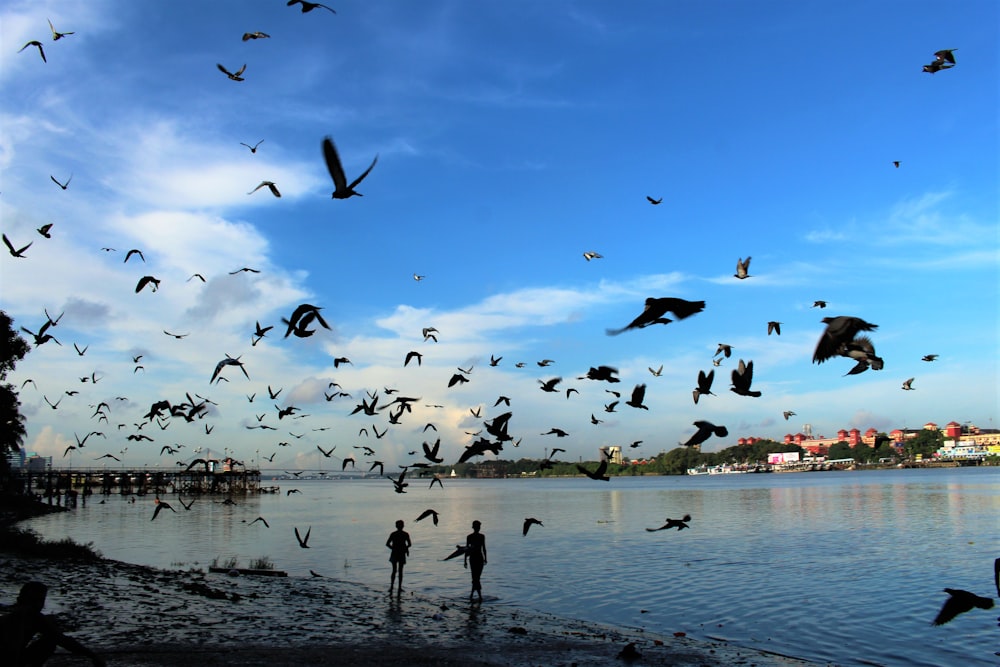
[841, 567]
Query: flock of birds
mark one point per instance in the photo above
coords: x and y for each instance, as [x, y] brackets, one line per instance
[843, 336]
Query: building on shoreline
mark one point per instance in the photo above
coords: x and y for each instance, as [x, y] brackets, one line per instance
[960, 441]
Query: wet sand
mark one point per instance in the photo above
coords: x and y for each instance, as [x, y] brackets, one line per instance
[135, 615]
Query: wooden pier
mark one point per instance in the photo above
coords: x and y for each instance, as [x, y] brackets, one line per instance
[54, 482]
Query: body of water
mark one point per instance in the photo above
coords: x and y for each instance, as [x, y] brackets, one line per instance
[839, 567]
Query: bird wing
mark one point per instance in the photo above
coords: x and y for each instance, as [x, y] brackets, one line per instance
[334, 166]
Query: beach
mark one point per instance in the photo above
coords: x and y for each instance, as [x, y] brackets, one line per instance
[136, 615]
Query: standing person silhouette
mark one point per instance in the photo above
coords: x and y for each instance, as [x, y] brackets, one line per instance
[29, 637]
[399, 544]
[475, 551]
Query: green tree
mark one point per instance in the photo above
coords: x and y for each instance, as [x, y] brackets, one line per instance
[840, 450]
[12, 350]
[924, 443]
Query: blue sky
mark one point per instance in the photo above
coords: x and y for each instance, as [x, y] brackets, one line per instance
[511, 138]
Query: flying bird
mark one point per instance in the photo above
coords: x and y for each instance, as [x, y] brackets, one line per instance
[35, 42]
[528, 523]
[862, 350]
[742, 268]
[301, 318]
[62, 185]
[247, 36]
[341, 189]
[787, 413]
[234, 76]
[147, 280]
[654, 202]
[550, 385]
[658, 372]
[15, 252]
[704, 432]
[654, 312]
[412, 354]
[589, 255]
[308, 6]
[724, 349]
[742, 378]
[638, 394]
[774, 327]
[598, 473]
[56, 35]
[907, 384]
[705, 381]
[269, 185]
[679, 524]
[822, 304]
[303, 541]
[134, 251]
[262, 520]
[44, 230]
[839, 331]
[161, 505]
[929, 357]
[228, 361]
[428, 513]
[959, 602]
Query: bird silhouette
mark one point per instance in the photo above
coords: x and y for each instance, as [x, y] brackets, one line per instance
[247, 36]
[308, 6]
[819, 304]
[679, 524]
[228, 361]
[428, 513]
[147, 280]
[399, 486]
[431, 452]
[62, 185]
[774, 327]
[704, 432]
[161, 505]
[724, 349]
[862, 350]
[56, 35]
[839, 331]
[638, 394]
[550, 385]
[654, 202]
[44, 230]
[19, 252]
[303, 541]
[787, 413]
[742, 268]
[590, 254]
[460, 550]
[234, 76]
[705, 381]
[929, 357]
[263, 521]
[269, 185]
[301, 318]
[38, 44]
[959, 602]
[943, 59]
[134, 251]
[601, 373]
[658, 372]
[341, 189]
[742, 378]
[528, 523]
[907, 384]
[598, 473]
[253, 149]
[656, 308]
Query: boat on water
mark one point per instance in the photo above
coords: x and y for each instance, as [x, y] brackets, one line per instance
[719, 470]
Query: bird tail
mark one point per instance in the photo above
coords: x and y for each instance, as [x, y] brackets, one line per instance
[614, 332]
[688, 308]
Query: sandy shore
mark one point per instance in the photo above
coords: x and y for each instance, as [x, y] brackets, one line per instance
[135, 615]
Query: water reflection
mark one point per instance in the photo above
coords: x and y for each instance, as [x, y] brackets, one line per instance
[784, 562]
